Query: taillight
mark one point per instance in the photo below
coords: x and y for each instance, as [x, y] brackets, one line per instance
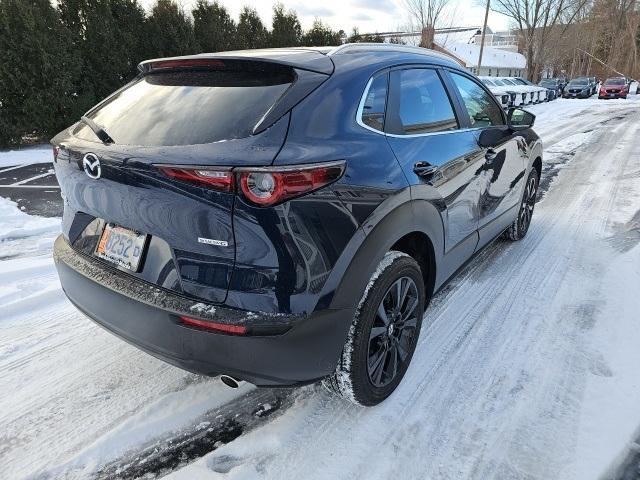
[270, 186]
[221, 180]
[261, 186]
[218, 327]
[56, 151]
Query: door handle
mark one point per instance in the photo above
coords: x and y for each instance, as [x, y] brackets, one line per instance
[424, 169]
[490, 155]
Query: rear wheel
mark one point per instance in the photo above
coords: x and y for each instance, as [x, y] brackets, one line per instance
[520, 225]
[384, 333]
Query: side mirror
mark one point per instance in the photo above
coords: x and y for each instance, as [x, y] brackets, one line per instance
[519, 119]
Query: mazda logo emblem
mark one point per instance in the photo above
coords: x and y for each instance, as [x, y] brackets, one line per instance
[91, 166]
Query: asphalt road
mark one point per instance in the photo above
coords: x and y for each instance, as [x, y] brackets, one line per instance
[33, 187]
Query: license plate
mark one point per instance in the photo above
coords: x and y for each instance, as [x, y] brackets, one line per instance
[121, 246]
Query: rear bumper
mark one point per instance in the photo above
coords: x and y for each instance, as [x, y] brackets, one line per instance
[306, 347]
[613, 95]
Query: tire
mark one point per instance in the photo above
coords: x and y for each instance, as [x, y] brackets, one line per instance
[365, 374]
[520, 226]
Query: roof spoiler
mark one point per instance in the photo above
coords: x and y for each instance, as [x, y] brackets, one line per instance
[298, 58]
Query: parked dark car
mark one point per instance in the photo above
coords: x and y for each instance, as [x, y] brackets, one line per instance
[578, 88]
[615, 87]
[284, 216]
[553, 86]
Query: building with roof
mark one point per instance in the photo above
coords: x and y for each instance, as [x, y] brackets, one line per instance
[500, 57]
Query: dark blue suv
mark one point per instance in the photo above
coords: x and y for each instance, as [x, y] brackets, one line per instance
[284, 216]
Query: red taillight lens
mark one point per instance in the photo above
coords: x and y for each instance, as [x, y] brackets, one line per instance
[261, 186]
[218, 327]
[56, 150]
[221, 180]
[271, 186]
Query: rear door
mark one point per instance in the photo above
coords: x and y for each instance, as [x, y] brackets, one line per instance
[501, 165]
[435, 151]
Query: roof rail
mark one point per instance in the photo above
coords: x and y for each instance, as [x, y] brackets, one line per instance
[388, 47]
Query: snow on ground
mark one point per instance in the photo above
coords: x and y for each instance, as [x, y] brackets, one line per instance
[526, 366]
[73, 396]
[26, 156]
[22, 234]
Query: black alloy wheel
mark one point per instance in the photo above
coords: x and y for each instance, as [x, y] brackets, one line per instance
[393, 332]
[520, 225]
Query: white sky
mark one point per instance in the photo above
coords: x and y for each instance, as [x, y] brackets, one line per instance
[367, 15]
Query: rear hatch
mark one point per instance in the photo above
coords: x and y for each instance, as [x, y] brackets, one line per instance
[192, 114]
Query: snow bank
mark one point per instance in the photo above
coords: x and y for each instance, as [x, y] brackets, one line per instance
[26, 156]
[22, 234]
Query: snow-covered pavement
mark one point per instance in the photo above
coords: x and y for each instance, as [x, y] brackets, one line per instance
[527, 365]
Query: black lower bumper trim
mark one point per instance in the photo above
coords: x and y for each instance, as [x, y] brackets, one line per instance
[147, 317]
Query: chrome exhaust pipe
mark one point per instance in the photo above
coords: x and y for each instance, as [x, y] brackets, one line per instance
[230, 381]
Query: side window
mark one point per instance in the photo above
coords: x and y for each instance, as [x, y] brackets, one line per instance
[421, 104]
[374, 104]
[483, 110]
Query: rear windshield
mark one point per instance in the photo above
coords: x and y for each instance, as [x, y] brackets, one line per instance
[615, 81]
[579, 81]
[189, 107]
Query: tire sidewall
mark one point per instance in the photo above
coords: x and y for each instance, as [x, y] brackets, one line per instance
[365, 392]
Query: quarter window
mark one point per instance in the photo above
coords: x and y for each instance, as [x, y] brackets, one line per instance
[374, 104]
[483, 110]
[421, 104]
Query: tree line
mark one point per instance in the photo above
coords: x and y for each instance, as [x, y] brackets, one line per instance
[557, 37]
[58, 60]
[577, 37]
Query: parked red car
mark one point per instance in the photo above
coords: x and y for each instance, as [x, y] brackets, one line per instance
[615, 87]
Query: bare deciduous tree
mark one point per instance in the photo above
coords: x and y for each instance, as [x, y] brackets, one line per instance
[537, 22]
[425, 15]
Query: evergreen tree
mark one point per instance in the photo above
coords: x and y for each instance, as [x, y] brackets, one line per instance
[110, 38]
[285, 28]
[322, 35]
[129, 37]
[251, 32]
[214, 29]
[170, 32]
[37, 71]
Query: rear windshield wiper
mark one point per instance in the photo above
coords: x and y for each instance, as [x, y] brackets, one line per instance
[97, 129]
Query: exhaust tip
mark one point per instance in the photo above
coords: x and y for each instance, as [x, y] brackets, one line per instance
[229, 381]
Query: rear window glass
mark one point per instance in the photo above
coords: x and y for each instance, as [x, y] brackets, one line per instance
[423, 104]
[189, 107]
[375, 102]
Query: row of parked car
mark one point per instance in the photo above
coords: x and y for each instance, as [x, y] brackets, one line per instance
[517, 91]
[585, 87]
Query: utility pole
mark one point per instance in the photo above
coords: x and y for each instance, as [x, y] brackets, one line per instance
[484, 29]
